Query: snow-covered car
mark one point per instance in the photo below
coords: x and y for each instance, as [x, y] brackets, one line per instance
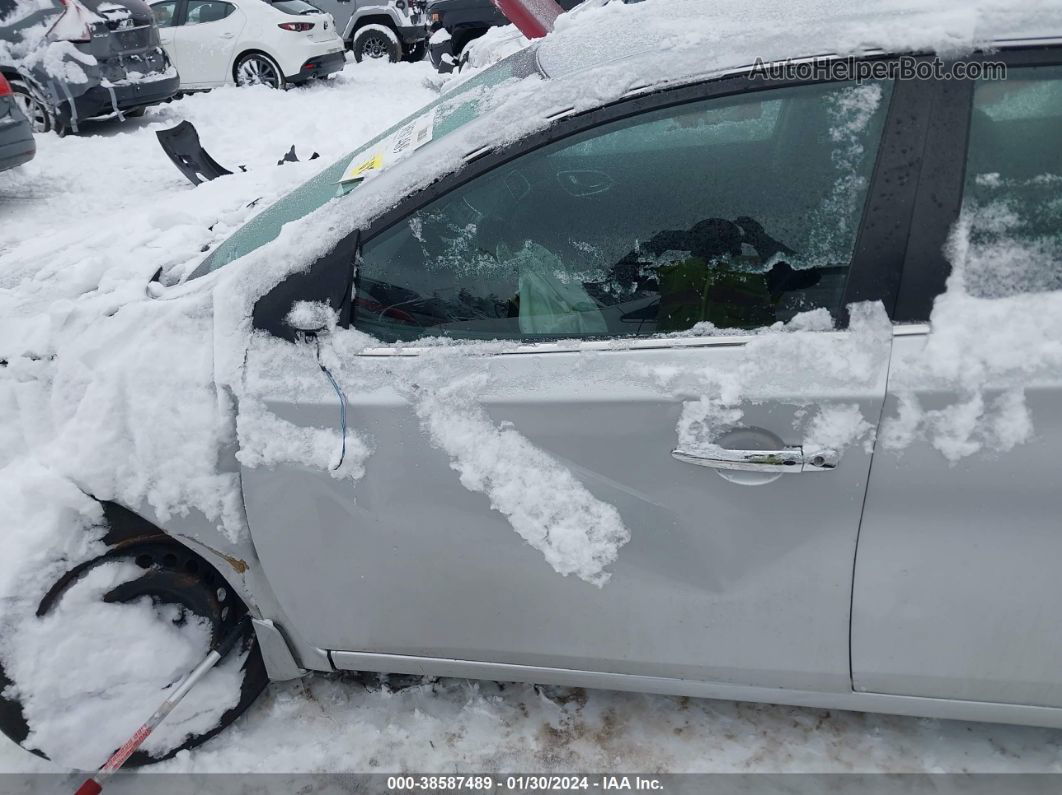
[16, 134]
[390, 30]
[71, 60]
[721, 369]
[248, 42]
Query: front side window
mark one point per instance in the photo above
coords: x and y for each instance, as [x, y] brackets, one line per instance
[203, 11]
[454, 110]
[1012, 202]
[736, 212]
[164, 13]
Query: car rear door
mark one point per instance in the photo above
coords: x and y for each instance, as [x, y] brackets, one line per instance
[167, 16]
[609, 486]
[204, 42]
[957, 582]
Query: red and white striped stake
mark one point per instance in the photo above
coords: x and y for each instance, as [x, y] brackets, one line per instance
[94, 785]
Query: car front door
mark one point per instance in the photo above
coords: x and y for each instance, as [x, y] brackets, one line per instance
[957, 582]
[655, 459]
[204, 40]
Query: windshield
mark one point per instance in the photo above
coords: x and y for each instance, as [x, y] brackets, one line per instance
[314, 194]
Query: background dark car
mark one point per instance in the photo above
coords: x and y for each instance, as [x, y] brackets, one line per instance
[59, 89]
[16, 137]
[465, 20]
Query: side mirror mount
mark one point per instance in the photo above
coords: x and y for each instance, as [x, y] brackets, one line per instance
[312, 318]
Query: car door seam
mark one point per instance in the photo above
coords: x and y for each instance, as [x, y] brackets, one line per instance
[862, 511]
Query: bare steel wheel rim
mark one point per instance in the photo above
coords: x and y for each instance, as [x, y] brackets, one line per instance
[256, 70]
[375, 46]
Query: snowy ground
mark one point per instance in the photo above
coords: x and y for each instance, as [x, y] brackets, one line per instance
[93, 210]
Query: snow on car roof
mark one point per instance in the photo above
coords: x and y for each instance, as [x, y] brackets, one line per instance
[664, 40]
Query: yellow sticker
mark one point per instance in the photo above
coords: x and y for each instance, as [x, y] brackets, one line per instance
[356, 171]
[400, 144]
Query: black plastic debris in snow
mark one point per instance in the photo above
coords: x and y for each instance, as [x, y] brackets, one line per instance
[182, 146]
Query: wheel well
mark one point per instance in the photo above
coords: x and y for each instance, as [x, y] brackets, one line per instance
[245, 53]
[375, 19]
[125, 528]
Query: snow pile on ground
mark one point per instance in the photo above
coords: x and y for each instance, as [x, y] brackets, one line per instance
[340, 723]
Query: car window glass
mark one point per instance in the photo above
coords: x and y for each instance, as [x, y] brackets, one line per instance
[650, 224]
[752, 121]
[164, 13]
[203, 11]
[1011, 202]
[295, 7]
[454, 109]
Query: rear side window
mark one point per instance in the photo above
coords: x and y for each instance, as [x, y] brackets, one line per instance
[736, 212]
[295, 7]
[1012, 201]
[164, 13]
[203, 11]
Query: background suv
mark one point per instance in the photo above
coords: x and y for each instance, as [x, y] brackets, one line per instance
[465, 20]
[380, 29]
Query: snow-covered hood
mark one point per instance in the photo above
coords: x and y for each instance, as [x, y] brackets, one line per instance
[669, 38]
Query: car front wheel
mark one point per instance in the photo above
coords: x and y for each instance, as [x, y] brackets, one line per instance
[258, 69]
[121, 629]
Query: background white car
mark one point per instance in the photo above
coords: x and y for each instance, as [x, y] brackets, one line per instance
[249, 42]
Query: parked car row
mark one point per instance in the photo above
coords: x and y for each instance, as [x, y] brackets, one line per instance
[248, 42]
[145, 53]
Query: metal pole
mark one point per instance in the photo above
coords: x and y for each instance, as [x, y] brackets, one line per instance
[94, 785]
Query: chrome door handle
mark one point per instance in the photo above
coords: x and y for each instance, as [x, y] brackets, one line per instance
[786, 460]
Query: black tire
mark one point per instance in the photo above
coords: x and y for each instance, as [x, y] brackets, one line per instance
[135, 113]
[40, 113]
[258, 69]
[415, 52]
[172, 575]
[373, 44]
